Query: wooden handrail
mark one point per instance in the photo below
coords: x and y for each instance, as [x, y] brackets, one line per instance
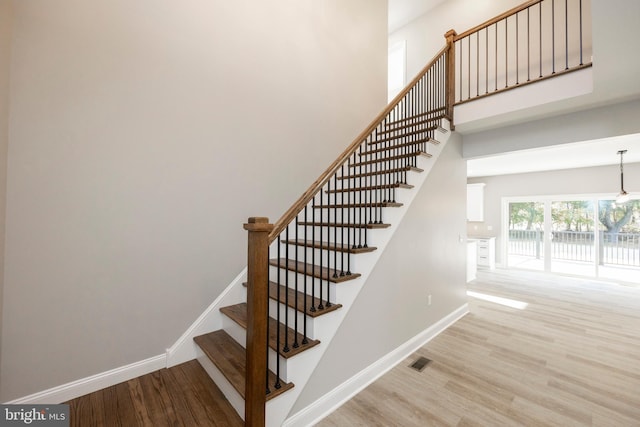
[297, 207]
[497, 18]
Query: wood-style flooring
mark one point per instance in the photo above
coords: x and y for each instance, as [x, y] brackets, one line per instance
[571, 357]
[183, 395]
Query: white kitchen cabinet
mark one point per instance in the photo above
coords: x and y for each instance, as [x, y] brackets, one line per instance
[487, 252]
[472, 259]
[475, 202]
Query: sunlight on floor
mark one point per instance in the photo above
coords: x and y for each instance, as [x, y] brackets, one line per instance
[520, 305]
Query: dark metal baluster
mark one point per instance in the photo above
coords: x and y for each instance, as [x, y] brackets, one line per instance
[443, 78]
[286, 348]
[385, 178]
[496, 65]
[506, 52]
[366, 196]
[313, 253]
[277, 385]
[528, 44]
[342, 220]
[477, 63]
[581, 63]
[382, 165]
[417, 110]
[389, 152]
[335, 234]
[267, 352]
[322, 221]
[469, 67]
[566, 34]
[348, 247]
[378, 165]
[359, 193]
[553, 37]
[517, 16]
[306, 277]
[486, 61]
[296, 344]
[540, 30]
[461, 65]
[328, 266]
[372, 181]
[335, 228]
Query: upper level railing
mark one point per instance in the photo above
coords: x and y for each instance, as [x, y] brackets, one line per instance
[534, 41]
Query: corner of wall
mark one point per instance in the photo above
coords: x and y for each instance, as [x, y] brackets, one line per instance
[5, 63]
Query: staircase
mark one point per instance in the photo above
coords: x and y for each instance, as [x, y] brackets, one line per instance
[272, 325]
[305, 271]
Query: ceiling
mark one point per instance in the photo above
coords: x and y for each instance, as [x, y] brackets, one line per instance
[402, 12]
[566, 156]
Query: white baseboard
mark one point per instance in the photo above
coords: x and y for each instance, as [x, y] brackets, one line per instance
[341, 394]
[183, 350]
[93, 383]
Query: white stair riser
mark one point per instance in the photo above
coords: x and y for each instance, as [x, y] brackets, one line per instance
[318, 284]
[239, 334]
[291, 314]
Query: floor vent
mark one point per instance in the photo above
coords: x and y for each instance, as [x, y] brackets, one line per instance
[420, 364]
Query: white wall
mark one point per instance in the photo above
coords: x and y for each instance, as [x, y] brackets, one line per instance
[424, 257]
[5, 56]
[581, 181]
[142, 136]
[595, 123]
[425, 34]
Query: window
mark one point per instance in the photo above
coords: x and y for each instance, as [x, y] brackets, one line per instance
[396, 71]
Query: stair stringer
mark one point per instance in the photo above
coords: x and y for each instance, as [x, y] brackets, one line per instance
[301, 367]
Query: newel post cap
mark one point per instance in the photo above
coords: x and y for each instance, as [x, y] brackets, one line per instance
[258, 223]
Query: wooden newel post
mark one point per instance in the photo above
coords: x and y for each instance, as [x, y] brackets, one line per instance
[451, 74]
[257, 314]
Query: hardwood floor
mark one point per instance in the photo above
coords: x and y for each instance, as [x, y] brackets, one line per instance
[183, 395]
[571, 357]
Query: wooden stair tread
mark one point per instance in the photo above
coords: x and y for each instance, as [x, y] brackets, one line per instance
[330, 246]
[299, 297]
[398, 157]
[398, 146]
[342, 225]
[414, 121]
[238, 313]
[441, 110]
[383, 172]
[361, 205]
[313, 270]
[373, 187]
[230, 358]
[403, 135]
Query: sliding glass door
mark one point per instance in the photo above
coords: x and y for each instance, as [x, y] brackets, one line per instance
[525, 246]
[619, 240]
[573, 237]
[586, 237]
